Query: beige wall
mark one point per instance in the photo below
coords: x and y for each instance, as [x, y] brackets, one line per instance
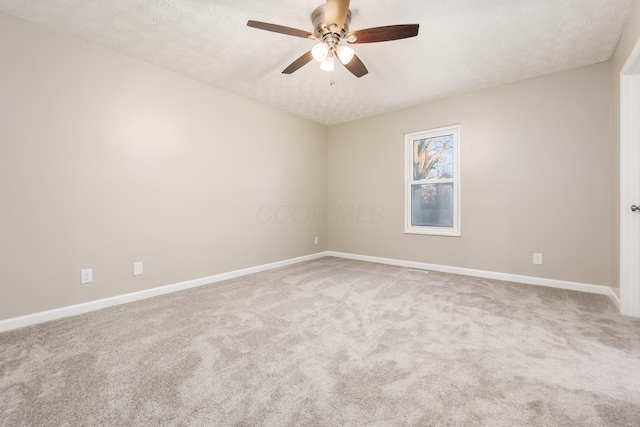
[535, 167]
[105, 161]
[627, 42]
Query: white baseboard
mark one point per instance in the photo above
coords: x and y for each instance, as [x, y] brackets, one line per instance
[528, 280]
[613, 296]
[45, 316]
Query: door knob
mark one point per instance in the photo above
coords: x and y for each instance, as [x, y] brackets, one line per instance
[635, 208]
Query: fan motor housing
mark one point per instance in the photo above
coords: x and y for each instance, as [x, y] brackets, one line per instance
[328, 35]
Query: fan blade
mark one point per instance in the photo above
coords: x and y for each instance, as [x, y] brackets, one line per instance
[384, 34]
[356, 66]
[279, 29]
[298, 63]
[336, 12]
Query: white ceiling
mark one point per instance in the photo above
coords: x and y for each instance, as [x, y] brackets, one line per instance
[463, 45]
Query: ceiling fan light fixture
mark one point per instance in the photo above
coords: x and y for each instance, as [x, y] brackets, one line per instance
[320, 51]
[345, 54]
[331, 22]
[327, 64]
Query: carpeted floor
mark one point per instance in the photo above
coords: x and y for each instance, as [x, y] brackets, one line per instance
[331, 342]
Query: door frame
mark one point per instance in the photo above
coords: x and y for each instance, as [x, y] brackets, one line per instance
[630, 184]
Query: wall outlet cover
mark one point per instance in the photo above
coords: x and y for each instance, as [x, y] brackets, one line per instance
[137, 268]
[86, 276]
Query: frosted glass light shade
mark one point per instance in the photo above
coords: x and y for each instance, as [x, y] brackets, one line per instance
[319, 52]
[327, 64]
[345, 54]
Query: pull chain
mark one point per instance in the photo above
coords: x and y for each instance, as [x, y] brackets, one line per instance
[332, 80]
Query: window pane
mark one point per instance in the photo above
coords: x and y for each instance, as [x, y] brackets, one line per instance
[433, 158]
[432, 205]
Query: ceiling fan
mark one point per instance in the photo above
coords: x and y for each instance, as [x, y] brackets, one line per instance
[331, 27]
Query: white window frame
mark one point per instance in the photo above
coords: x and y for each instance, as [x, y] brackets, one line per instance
[409, 138]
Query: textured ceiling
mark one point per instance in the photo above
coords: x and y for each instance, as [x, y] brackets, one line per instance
[463, 45]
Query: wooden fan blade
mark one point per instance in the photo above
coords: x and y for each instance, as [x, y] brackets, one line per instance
[298, 63]
[336, 12]
[356, 66]
[279, 29]
[384, 34]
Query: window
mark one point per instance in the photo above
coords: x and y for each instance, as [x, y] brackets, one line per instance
[432, 181]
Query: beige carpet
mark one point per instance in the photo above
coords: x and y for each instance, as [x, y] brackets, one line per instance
[331, 342]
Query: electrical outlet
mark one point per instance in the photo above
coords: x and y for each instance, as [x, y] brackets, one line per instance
[137, 268]
[537, 258]
[315, 240]
[86, 276]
